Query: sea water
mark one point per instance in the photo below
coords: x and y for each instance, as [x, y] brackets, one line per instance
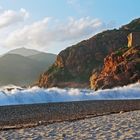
[17, 95]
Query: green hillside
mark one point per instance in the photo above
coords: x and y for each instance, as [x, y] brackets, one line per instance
[45, 58]
[20, 70]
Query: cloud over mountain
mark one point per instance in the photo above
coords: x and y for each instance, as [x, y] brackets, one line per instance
[9, 17]
[49, 33]
[44, 32]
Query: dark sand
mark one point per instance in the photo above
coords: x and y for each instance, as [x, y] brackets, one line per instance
[32, 115]
[120, 126]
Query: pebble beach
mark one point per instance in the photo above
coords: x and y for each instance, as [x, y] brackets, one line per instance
[123, 125]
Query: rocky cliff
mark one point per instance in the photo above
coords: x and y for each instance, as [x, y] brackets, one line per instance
[76, 63]
[120, 68]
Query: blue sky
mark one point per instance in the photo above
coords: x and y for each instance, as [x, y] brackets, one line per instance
[52, 25]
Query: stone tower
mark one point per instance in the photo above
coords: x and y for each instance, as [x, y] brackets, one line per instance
[134, 39]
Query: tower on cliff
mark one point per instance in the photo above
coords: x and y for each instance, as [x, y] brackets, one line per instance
[134, 39]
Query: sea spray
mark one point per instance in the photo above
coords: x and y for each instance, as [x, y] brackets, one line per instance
[13, 95]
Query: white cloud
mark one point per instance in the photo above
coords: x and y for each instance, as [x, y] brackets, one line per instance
[10, 17]
[76, 29]
[29, 36]
[40, 34]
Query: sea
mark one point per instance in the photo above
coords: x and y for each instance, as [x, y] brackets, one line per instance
[14, 95]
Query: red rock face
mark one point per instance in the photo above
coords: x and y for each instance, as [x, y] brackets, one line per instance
[76, 63]
[120, 68]
[79, 60]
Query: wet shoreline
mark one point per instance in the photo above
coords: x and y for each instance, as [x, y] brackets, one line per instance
[18, 116]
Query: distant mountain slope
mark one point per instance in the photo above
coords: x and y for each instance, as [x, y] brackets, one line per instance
[45, 58]
[20, 70]
[24, 51]
[77, 63]
[17, 69]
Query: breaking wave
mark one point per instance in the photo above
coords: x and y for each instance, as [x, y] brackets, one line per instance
[13, 95]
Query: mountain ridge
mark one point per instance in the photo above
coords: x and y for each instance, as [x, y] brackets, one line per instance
[76, 63]
[23, 51]
[23, 70]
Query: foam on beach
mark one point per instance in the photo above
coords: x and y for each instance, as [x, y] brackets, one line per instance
[13, 95]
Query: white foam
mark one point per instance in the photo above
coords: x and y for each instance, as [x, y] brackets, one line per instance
[39, 95]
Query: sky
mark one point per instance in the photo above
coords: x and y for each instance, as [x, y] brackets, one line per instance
[53, 25]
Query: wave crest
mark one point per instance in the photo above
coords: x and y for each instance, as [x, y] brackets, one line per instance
[13, 95]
